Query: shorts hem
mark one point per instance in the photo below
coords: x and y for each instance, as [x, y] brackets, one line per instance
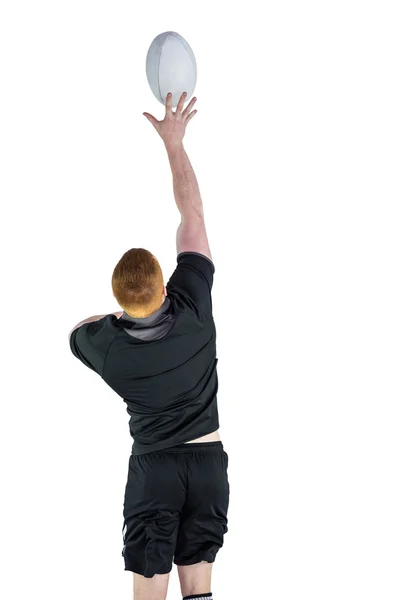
[209, 558]
[146, 574]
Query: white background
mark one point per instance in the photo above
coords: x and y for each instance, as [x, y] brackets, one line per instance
[296, 148]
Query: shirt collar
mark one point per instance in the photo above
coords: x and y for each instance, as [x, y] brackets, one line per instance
[152, 319]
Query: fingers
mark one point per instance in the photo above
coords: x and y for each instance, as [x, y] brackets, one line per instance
[168, 104]
[189, 107]
[190, 117]
[181, 103]
[152, 119]
[184, 116]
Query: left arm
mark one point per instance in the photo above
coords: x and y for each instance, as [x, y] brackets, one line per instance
[91, 319]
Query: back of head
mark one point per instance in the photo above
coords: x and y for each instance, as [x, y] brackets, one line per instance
[138, 283]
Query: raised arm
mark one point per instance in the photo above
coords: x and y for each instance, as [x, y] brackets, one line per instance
[191, 234]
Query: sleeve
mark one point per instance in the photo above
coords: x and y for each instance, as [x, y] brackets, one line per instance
[86, 345]
[192, 280]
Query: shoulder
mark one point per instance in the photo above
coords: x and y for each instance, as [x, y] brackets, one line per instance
[196, 259]
[197, 264]
[91, 341]
[192, 282]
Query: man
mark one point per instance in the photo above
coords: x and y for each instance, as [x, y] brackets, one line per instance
[159, 355]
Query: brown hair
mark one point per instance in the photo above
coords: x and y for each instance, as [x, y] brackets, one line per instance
[138, 283]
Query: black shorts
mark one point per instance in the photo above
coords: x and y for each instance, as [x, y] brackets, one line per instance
[175, 507]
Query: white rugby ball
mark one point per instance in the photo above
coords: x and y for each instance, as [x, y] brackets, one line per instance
[171, 67]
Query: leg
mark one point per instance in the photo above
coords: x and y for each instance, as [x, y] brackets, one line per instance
[203, 520]
[146, 588]
[154, 497]
[195, 579]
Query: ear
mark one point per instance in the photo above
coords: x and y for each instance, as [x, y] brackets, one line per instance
[165, 291]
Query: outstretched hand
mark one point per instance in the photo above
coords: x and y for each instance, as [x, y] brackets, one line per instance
[173, 127]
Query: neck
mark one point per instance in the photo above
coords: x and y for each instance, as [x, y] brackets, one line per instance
[144, 315]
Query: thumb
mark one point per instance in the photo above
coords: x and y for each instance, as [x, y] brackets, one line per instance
[152, 119]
